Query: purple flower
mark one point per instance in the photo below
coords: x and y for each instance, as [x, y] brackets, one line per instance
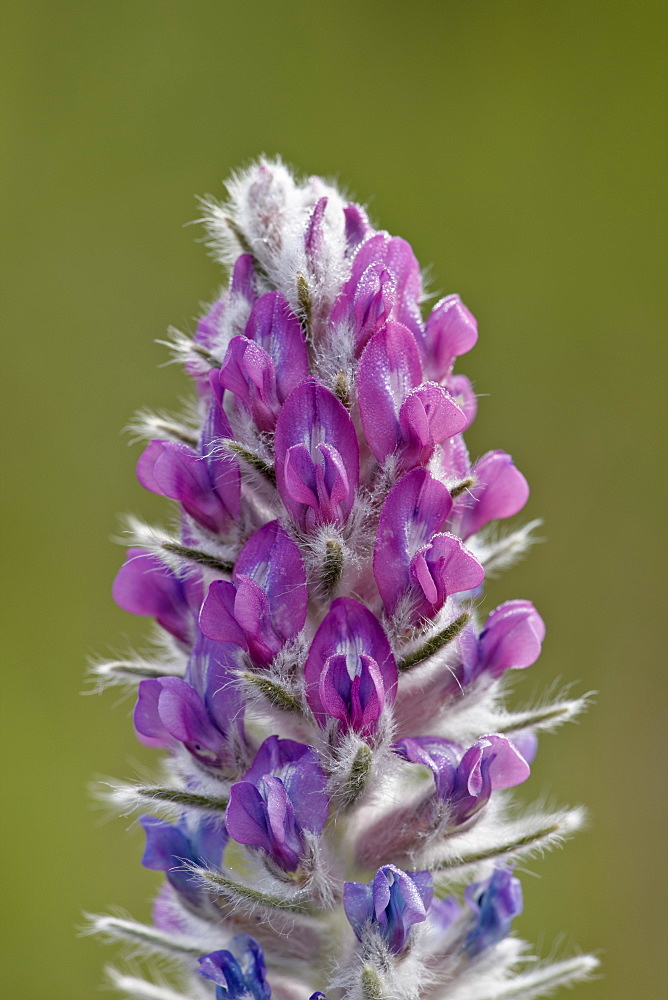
[451, 330]
[350, 671]
[171, 849]
[282, 795]
[265, 605]
[366, 302]
[239, 973]
[224, 315]
[390, 905]
[262, 367]
[357, 227]
[400, 414]
[384, 280]
[510, 640]
[500, 491]
[465, 780]
[145, 586]
[206, 482]
[316, 457]
[197, 712]
[411, 557]
[494, 903]
[357, 699]
[316, 371]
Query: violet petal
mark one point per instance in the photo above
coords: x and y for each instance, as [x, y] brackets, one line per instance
[316, 456]
[389, 368]
[348, 628]
[145, 586]
[450, 330]
[511, 638]
[415, 509]
[500, 491]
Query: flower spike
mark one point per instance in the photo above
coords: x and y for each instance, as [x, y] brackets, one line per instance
[328, 698]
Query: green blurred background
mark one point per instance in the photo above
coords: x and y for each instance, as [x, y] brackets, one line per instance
[519, 147]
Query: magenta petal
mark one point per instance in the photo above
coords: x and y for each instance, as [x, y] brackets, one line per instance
[246, 818]
[463, 393]
[415, 509]
[315, 442]
[441, 568]
[352, 690]
[396, 254]
[216, 619]
[389, 368]
[331, 480]
[243, 277]
[248, 372]
[512, 638]
[390, 905]
[335, 685]
[299, 476]
[313, 235]
[222, 468]
[454, 462]
[306, 784]
[526, 743]
[421, 574]
[148, 459]
[271, 812]
[253, 613]
[500, 491]
[274, 562]
[183, 713]
[145, 586]
[372, 303]
[298, 767]
[451, 330]
[275, 328]
[174, 470]
[275, 755]
[211, 671]
[439, 755]
[348, 628]
[428, 416]
[357, 226]
[366, 303]
[149, 727]
[506, 768]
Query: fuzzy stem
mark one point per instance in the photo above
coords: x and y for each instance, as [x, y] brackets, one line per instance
[151, 937]
[139, 795]
[234, 891]
[275, 693]
[198, 557]
[253, 459]
[358, 777]
[436, 642]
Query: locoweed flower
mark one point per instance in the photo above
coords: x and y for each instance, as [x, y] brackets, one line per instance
[240, 974]
[327, 694]
[390, 905]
